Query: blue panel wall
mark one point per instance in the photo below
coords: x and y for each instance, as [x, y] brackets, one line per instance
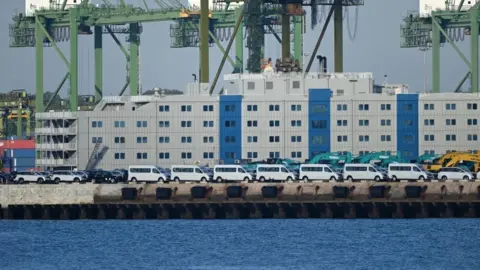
[230, 128]
[318, 121]
[407, 126]
[20, 153]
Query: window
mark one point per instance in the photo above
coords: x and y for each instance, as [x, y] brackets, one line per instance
[472, 122]
[363, 107]
[429, 138]
[186, 108]
[429, 152]
[296, 84]
[451, 122]
[141, 124]
[296, 139]
[208, 139]
[164, 108]
[318, 140]
[163, 139]
[186, 155]
[296, 123]
[342, 138]
[363, 123]
[407, 139]
[208, 155]
[451, 137]
[119, 124]
[252, 123]
[407, 107]
[252, 108]
[97, 124]
[385, 122]
[142, 155]
[252, 139]
[186, 123]
[230, 123]
[273, 108]
[97, 139]
[385, 138]
[319, 108]
[252, 154]
[119, 155]
[340, 92]
[472, 106]
[208, 108]
[164, 124]
[230, 108]
[364, 138]
[250, 85]
[296, 107]
[472, 137]
[429, 122]
[450, 106]
[274, 123]
[319, 123]
[341, 107]
[268, 85]
[407, 122]
[429, 107]
[141, 139]
[342, 123]
[207, 123]
[186, 139]
[164, 155]
[274, 154]
[385, 107]
[119, 139]
[296, 154]
[230, 155]
[274, 139]
[230, 139]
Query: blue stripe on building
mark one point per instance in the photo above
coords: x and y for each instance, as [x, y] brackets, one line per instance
[318, 121]
[230, 128]
[407, 126]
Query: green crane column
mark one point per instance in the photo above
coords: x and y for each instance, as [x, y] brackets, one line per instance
[73, 60]
[28, 123]
[298, 39]
[204, 41]
[338, 37]
[285, 34]
[98, 63]
[435, 57]
[134, 44]
[239, 43]
[474, 48]
[39, 102]
[19, 122]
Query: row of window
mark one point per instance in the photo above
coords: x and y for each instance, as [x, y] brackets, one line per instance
[166, 155]
[449, 137]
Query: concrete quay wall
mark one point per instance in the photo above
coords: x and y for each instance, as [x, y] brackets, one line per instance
[65, 194]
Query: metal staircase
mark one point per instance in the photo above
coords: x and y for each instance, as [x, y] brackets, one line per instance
[93, 156]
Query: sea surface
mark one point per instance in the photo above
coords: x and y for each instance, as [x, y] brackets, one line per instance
[241, 244]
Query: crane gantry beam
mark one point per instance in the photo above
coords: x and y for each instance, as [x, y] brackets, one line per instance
[442, 27]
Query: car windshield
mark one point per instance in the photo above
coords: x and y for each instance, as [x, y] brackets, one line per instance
[421, 168]
[162, 170]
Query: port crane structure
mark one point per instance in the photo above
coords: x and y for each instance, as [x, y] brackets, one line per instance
[445, 22]
[66, 20]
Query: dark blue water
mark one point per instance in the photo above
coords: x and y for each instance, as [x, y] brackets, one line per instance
[241, 244]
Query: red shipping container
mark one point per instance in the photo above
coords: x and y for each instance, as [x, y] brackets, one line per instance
[18, 144]
[7, 170]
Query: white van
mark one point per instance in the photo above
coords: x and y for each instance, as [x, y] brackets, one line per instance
[274, 172]
[454, 173]
[312, 172]
[226, 173]
[189, 173]
[407, 171]
[147, 173]
[362, 172]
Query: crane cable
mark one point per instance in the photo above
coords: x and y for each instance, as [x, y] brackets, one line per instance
[352, 34]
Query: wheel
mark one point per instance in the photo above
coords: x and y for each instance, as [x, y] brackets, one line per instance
[246, 180]
[289, 179]
[333, 178]
[39, 180]
[377, 178]
[76, 180]
[394, 178]
[305, 179]
[133, 179]
[203, 180]
[161, 180]
[56, 180]
[21, 181]
[219, 179]
[466, 178]
[350, 178]
[176, 179]
[444, 177]
[421, 178]
[262, 179]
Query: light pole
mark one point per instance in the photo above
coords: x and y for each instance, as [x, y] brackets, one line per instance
[303, 60]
